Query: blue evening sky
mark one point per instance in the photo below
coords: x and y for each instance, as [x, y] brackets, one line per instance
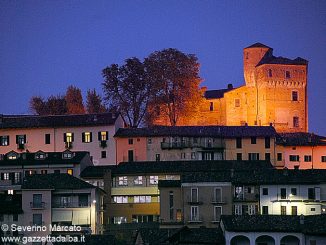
[47, 45]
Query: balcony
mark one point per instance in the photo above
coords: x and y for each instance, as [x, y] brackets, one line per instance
[37, 205]
[195, 219]
[71, 205]
[103, 143]
[217, 201]
[194, 201]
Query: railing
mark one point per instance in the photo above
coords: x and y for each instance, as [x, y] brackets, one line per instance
[71, 205]
[195, 219]
[194, 201]
[37, 205]
[217, 200]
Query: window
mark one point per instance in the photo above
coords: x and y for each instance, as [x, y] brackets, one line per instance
[264, 210]
[47, 139]
[194, 214]
[138, 180]
[253, 140]
[218, 194]
[253, 156]
[44, 171]
[37, 200]
[250, 189]
[267, 156]
[238, 192]
[103, 135]
[194, 194]
[70, 171]
[237, 102]
[283, 210]
[68, 137]
[217, 213]
[153, 180]
[294, 210]
[307, 158]
[4, 140]
[313, 209]
[283, 193]
[67, 155]
[123, 181]
[287, 74]
[37, 219]
[21, 139]
[142, 199]
[119, 220]
[17, 177]
[149, 141]
[157, 157]
[103, 154]
[237, 209]
[193, 155]
[211, 106]
[294, 95]
[311, 193]
[267, 142]
[239, 156]
[293, 191]
[294, 158]
[265, 191]
[239, 143]
[120, 199]
[279, 156]
[10, 192]
[183, 155]
[270, 73]
[179, 215]
[295, 122]
[5, 176]
[323, 158]
[87, 137]
[171, 205]
[130, 141]
[40, 155]
[130, 156]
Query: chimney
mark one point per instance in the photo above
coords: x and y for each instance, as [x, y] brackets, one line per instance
[230, 86]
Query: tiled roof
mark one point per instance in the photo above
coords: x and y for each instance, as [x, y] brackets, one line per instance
[270, 59]
[257, 45]
[198, 131]
[53, 158]
[312, 224]
[216, 94]
[300, 139]
[54, 181]
[131, 168]
[33, 121]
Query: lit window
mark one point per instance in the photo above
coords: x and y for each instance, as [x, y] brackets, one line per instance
[12, 155]
[21, 139]
[103, 136]
[40, 155]
[138, 180]
[86, 137]
[67, 155]
[10, 192]
[153, 180]
[119, 220]
[68, 137]
[142, 199]
[294, 95]
[123, 181]
[120, 199]
[70, 171]
[4, 140]
[6, 176]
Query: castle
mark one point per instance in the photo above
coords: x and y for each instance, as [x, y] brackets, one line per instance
[275, 93]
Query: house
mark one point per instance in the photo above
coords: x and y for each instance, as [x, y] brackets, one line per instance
[56, 200]
[162, 143]
[300, 150]
[57, 133]
[274, 229]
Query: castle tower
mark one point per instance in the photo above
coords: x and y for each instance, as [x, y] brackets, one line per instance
[252, 55]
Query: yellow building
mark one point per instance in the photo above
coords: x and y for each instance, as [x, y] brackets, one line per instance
[275, 93]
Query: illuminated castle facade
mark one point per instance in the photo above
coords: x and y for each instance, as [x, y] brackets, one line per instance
[275, 93]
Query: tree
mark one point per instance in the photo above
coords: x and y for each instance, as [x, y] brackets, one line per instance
[56, 105]
[94, 102]
[74, 100]
[128, 89]
[38, 105]
[177, 75]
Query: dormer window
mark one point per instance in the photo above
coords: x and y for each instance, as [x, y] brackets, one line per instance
[40, 155]
[12, 155]
[67, 155]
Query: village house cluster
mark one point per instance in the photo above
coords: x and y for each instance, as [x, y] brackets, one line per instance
[244, 171]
